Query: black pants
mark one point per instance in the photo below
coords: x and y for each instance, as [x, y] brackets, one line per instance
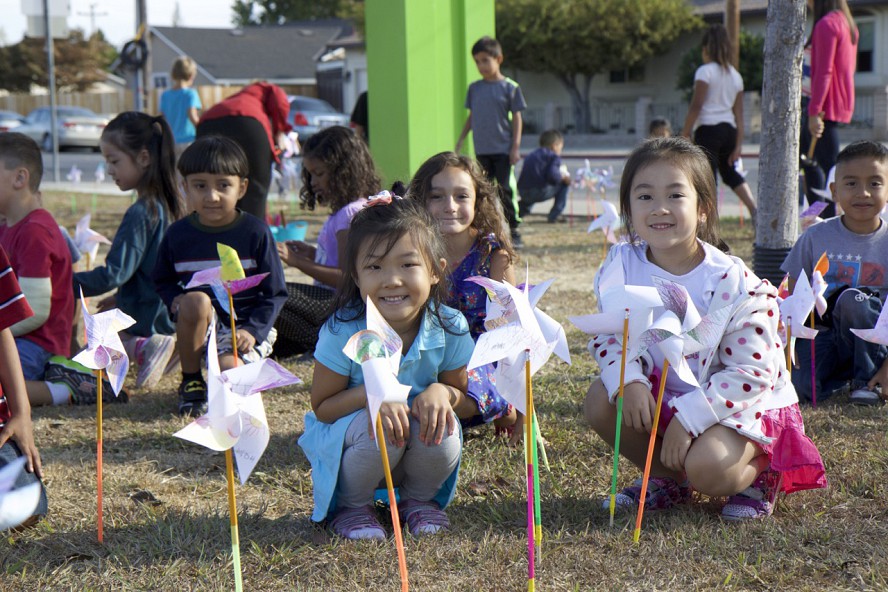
[718, 142]
[498, 168]
[251, 136]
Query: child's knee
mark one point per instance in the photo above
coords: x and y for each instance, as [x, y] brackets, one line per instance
[856, 308]
[597, 408]
[193, 307]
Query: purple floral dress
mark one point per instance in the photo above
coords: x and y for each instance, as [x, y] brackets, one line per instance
[471, 300]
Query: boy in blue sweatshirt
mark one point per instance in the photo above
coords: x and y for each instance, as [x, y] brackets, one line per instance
[543, 177]
[215, 173]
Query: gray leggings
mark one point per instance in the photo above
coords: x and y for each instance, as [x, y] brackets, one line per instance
[418, 470]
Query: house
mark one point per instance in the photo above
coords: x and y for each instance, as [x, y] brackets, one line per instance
[283, 54]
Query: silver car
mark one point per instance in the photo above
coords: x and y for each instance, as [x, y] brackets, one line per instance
[308, 116]
[78, 127]
[10, 120]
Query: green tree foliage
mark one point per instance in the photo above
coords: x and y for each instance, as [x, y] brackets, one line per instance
[278, 12]
[752, 64]
[577, 39]
[79, 62]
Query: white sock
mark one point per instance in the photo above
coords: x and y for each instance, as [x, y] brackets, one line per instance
[61, 394]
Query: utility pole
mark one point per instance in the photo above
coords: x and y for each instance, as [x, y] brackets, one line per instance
[53, 112]
[92, 14]
[142, 75]
[732, 24]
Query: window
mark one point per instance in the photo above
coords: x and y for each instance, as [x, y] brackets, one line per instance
[633, 74]
[866, 44]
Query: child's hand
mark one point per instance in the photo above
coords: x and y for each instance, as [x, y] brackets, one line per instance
[880, 378]
[395, 423]
[295, 253]
[638, 407]
[174, 305]
[245, 341]
[432, 408]
[676, 443]
[514, 155]
[107, 303]
[19, 429]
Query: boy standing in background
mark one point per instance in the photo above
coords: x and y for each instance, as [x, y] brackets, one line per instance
[497, 137]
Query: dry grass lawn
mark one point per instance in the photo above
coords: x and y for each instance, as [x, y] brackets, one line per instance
[166, 518]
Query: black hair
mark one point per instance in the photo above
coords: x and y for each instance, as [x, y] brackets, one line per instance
[550, 137]
[18, 150]
[693, 162]
[863, 149]
[488, 45]
[132, 132]
[349, 165]
[382, 226]
[216, 155]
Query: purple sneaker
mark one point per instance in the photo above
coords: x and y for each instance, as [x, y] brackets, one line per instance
[357, 524]
[423, 517]
[754, 502]
[662, 494]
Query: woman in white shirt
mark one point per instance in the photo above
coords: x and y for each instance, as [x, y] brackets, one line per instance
[717, 108]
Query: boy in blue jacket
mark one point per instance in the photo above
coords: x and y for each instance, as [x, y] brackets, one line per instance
[543, 177]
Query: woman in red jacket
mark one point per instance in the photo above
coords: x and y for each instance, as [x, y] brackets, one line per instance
[833, 61]
[255, 118]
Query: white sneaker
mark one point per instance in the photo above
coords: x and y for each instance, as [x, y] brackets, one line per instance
[864, 396]
[153, 356]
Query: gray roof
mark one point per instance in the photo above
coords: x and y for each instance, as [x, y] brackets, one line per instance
[707, 8]
[278, 53]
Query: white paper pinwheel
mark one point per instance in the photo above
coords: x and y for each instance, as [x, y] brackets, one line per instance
[100, 173]
[235, 414]
[87, 239]
[615, 297]
[879, 333]
[514, 325]
[378, 350]
[228, 276]
[16, 505]
[608, 221]
[680, 330]
[795, 308]
[104, 350]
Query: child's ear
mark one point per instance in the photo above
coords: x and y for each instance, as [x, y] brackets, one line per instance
[832, 190]
[143, 159]
[22, 176]
[443, 267]
[243, 187]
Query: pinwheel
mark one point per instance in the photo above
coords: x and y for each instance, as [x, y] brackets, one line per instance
[609, 223]
[105, 353]
[819, 286]
[516, 332]
[16, 505]
[226, 280]
[625, 309]
[235, 421]
[88, 240]
[378, 350]
[879, 333]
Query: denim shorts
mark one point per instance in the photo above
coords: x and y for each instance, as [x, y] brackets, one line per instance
[33, 358]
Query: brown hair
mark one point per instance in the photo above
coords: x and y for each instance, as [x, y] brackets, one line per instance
[350, 168]
[184, 68]
[692, 161]
[489, 217]
[718, 45]
[824, 7]
[18, 150]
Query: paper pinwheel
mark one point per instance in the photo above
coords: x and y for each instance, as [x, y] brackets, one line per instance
[16, 505]
[227, 279]
[235, 421]
[235, 414]
[794, 310]
[88, 240]
[104, 350]
[608, 222]
[879, 333]
[378, 350]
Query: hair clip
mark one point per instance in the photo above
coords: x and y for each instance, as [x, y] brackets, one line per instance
[383, 198]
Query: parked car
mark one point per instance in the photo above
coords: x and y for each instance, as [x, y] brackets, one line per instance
[10, 120]
[77, 126]
[309, 116]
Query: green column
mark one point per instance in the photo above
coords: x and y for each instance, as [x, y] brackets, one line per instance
[419, 65]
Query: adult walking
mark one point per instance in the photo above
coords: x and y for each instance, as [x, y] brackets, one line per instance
[256, 118]
[833, 44]
[717, 105]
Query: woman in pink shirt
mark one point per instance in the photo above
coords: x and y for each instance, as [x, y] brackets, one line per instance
[833, 61]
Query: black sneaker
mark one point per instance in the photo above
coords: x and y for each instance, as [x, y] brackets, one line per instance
[193, 398]
[516, 240]
[81, 382]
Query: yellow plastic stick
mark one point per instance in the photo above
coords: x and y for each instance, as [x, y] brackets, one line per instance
[232, 513]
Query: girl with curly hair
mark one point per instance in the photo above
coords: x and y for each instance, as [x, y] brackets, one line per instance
[337, 172]
[467, 211]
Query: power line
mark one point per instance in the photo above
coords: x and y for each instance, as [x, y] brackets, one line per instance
[92, 14]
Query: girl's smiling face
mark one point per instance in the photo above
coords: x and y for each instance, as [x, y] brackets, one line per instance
[398, 281]
[452, 201]
[664, 211]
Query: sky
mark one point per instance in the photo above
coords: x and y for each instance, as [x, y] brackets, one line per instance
[117, 18]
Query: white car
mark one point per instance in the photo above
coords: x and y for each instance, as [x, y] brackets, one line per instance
[10, 120]
[78, 127]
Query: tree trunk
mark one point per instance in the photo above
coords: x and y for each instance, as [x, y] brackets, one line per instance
[579, 99]
[778, 190]
[732, 24]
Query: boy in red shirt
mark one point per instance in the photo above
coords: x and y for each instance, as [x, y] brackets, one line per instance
[16, 432]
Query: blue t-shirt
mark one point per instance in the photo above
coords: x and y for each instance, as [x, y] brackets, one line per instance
[175, 104]
[491, 102]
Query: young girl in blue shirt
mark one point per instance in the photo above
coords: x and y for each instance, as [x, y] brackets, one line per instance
[395, 257]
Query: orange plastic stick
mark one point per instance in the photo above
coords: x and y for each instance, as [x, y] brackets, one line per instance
[393, 505]
[650, 455]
